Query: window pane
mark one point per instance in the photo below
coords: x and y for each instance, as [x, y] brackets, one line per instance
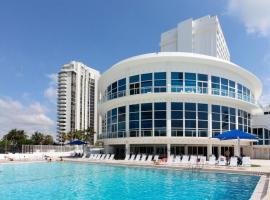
[133, 79]
[146, 77]
[160, 75]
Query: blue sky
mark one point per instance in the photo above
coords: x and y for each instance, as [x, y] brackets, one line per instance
[37, 37]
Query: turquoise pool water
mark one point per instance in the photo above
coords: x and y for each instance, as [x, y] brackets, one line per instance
[75, 181]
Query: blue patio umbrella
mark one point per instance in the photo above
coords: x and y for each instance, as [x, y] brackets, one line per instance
[77, 142]
[236, 135]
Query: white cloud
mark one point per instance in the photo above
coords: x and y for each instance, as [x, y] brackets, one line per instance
[255, 14]
[13, 114]
[51, 92]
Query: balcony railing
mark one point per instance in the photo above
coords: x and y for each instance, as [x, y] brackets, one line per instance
[179, 89]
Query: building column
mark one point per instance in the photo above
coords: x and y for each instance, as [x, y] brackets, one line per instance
[127, 121]
[210, 132]
[186, 150]
[127, 149]
[219, 150]
[168, 150]
[209, 150]
[168, 121]
[155, 150]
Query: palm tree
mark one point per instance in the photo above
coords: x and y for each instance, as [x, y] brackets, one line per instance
[37, 138]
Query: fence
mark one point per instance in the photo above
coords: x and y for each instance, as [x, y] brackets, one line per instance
[47, 148]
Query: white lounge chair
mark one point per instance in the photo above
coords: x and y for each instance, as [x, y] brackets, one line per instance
[138, 157]
[111, 157]
[156, 158]
[202, 160]
[222, 161]
[177, 159]
[212, 160]
[98, 156]
[127, 157]
[149, 158]
[233, 162]
[132, 157]
[193, 160]
[170, 160]
[107, 156]
[185, 159]
[246, 162]
[103, 156]
[143, 158]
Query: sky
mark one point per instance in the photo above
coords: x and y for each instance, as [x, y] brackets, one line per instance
[38, 37]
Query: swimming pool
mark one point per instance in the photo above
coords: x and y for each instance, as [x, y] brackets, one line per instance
[70, 181]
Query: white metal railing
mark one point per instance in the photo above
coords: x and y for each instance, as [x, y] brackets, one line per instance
[179, 89]
[46, 148]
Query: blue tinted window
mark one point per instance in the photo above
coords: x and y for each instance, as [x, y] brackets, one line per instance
[160, 106]
[146, 107]
[146, 77]
[134, 116]
[190, 106]
[177, 114]
[146, 115]
[160, 82]
[147, 124]
[177, 75]
[202, 124]
[216, 108]
[146, 84]
[177, 106]
[134, 124]
[190, 76]
[160, 123]
[160, 114]
[134, 108]
[202, 77]
[215, 79]
[133, 79]
[177, 123]
[177, 82]
[190, 124]
[203, 115]
[122, 82]
[160, 75]
[202, 107]
[122, 110]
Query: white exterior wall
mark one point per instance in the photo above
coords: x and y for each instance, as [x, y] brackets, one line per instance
[202, 36]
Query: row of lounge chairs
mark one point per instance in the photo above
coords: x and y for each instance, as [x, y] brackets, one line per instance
[188, 160]
[99, 157]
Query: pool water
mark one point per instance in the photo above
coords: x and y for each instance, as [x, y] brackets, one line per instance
[75, 181]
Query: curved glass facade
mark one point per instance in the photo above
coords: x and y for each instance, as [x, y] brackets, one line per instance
[178, 119]
[180, 82]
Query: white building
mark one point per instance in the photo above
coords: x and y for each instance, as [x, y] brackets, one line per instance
[174, 102]
[202, 36]
[77, 97]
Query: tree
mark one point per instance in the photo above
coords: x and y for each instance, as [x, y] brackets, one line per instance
[16, 137]
[37, 138]
[89, 135]
[48, 140]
